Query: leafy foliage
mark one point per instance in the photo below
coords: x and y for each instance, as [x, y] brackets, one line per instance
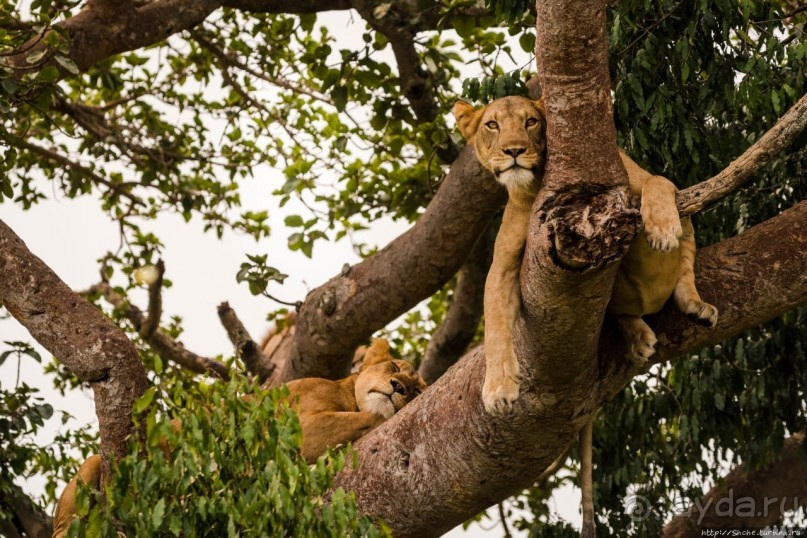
[178, 127]
[234, 468]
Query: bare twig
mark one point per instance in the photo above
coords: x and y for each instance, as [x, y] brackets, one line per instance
[161, 343]
[738, 173]
[152, 322]
[52, 155]
[255, 361]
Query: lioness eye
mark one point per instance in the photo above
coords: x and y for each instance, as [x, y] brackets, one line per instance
[531, 122]
[492, 125]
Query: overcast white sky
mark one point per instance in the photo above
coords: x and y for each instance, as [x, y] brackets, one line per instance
[71, 235]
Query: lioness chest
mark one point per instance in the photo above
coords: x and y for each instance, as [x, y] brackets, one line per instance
[645, 280]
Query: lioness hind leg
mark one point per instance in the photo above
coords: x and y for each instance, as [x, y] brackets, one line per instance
[640, 337]
[662, 226]
[89, 473]
[686, 295]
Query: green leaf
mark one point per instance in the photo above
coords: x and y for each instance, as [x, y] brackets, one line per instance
[48, 74]
[68, 64]
[527, 42]
[293, 221]
[157, 514]
[35, 56]
[339, 96]
[144, 401]
[464, 25]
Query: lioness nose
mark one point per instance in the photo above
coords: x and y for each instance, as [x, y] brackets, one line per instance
[514, 152]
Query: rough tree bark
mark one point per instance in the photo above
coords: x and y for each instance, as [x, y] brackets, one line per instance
[442, 459]
[581, 225]
[88, 343]
[775, 488]
[451, 339]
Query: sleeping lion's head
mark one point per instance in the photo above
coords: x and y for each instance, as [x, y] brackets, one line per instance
[385, 385]
[508, 135]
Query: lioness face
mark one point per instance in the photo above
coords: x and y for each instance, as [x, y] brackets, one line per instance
[509, 138]
[385, 385]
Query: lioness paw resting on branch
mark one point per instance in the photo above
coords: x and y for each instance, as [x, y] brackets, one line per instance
[331, 413]
[509, 138]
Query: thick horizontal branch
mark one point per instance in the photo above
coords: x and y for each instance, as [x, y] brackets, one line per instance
[775, 488]
[741, 170]
[444, 459]
[79, 335]
[102, 29]
[342, 314]
[451, 339]
[162, 344]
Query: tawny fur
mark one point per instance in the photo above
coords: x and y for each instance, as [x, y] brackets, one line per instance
[509, 139]
[332, 413]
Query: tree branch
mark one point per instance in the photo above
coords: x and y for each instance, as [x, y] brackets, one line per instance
[452, 338]
[51, 155]
[161, 343]
[775, 488]
[741, 170]
[152, 322]
[443, 459]
[344, 312]
[29, 519]
[102, 29]
[79, 335]
[395, 21]
[256, 362]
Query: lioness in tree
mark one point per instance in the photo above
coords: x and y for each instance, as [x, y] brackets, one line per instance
[509, 137]
[332, 413]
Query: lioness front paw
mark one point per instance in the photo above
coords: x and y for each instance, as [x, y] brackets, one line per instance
[662, 226]
[701, 313]
[663, 236]
[501, 386]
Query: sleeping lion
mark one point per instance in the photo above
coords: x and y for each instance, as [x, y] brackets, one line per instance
[508, 136]
[332, 413]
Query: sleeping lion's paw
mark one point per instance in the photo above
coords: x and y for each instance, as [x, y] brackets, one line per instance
[501, 384]
[701, 313]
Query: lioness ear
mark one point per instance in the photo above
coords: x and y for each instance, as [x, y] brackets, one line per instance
[376, 353]
[539, 104]
[467, 118]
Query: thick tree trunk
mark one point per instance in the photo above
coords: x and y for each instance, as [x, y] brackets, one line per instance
[749, 498]
[442, 459]
[78, 334]
[580, 224]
